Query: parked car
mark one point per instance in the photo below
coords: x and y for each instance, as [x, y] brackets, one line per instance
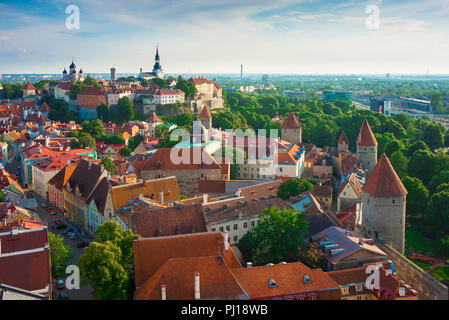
[58, 222]
[63, 296]
[82, 244]
[44, 205]
[60, 284]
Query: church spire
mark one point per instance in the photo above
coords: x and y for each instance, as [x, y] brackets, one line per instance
[157, 53]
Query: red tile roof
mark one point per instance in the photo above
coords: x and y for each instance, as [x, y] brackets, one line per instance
[343, 139]
[205, 114]
[291, 122]
[29, 86]
[150, 254]
[289, 279]
[383, 181]
[178, 275]
[162, 159]
[366, 137]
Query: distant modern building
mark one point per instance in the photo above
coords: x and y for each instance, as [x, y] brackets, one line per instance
[113, 74]
[301, 94]
[329, 96]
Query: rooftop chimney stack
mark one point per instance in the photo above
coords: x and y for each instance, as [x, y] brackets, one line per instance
[249, 264]
[226, 240]
[205, 198]
[197, 286]
[163, 292]
[161, 196]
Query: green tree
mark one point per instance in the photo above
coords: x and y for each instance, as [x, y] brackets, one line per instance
[85, 140]
[437, 215]
[422, 166]
[90, 82]
[275, 238]
[75, 89]
[108, 165]
[418, 145]
[436, 101]
[125, 109]
[393, 146]
[433, 136]
[399, 162]
[93, 127]
[103, 112]
[439, 179]
[312, 256]
[294, 187]
[111, 231]
[100, 266]
[160, 82]
[125, 151]
[59, 253]
[417, 197]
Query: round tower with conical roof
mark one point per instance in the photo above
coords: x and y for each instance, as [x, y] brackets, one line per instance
[291, 130]
[205, 117]
[383, 205]
[343, 143]
[367, 147]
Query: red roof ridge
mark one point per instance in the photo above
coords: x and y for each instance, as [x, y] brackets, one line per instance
[366, 137]
[205, 114]
[291, 122]
[383, 181]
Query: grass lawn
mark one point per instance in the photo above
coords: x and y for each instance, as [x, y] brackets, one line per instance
[422, 265]
[441, 273]
[418, 243]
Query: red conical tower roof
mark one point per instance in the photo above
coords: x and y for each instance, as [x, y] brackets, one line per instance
[383, 182]
[291, 122]
[366, 137]
[29, 86]
[343, 139]
[205, 114]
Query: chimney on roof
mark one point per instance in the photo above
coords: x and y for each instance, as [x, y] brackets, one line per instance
[102, 168]
[205, 196]
[226, 240]
[47, 141]
[68, 163]
[161, 196]
[401, 291]
[90, 164]
[249, 264]
[197, 286]
[163, 292]
[238, 193]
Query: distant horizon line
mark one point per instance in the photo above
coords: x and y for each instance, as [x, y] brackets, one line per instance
[238, 74]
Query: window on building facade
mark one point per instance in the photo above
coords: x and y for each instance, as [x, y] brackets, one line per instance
[245, 225]
[236, 238]
[236, 226]
[228, 228]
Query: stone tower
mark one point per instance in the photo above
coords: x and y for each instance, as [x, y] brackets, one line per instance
[157, 69]
[383, 205]
[343, 143]
[291, 130]
[367, 147]
[206, 118]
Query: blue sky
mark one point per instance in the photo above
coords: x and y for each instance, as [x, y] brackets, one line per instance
[210, 36]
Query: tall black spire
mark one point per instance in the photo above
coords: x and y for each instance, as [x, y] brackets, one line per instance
[157, 53]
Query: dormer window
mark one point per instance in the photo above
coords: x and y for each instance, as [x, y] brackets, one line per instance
[307, 279]
[272, 283]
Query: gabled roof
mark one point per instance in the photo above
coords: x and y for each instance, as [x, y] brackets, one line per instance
[100, 195]
[168, 221]
[85, 177]
[291, 122]
[205, 114]
[366, 137]
[122, 194]
[383, 181]
[45, 107]
[354, 184]
[162, 160]
[289, 279]
[150, 254]
[216, 280]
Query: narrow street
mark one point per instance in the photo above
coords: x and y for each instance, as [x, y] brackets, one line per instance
[85, 291]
